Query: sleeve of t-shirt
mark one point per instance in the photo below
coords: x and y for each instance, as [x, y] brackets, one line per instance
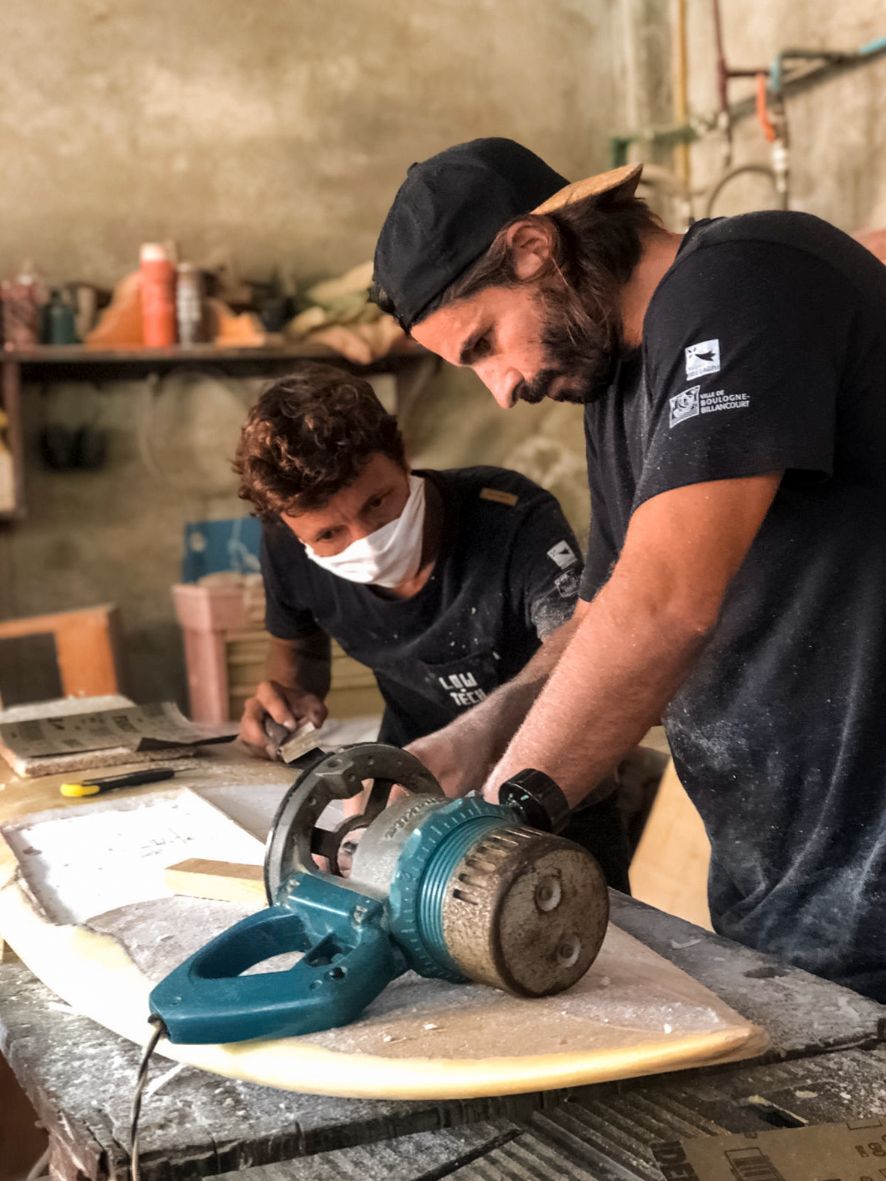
[545, 567]
[285, 617]
[743, 348]
[602, 551]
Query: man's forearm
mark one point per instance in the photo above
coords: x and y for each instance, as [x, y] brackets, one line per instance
[303, 664]
[642, 634]
[623, 664]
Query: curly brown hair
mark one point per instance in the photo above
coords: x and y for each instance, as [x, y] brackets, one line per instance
[309, 435]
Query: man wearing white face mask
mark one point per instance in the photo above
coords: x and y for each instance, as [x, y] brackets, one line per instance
[387, 557]
[445, 583]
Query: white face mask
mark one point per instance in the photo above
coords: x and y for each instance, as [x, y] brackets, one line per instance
[388, 556]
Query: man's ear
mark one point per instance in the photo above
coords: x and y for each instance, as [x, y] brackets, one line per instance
[531, 246]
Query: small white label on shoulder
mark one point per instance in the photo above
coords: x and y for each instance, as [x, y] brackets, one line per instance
[563, 554]
[702, 358]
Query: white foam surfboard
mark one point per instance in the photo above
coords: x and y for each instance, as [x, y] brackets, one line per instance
[634, 1013]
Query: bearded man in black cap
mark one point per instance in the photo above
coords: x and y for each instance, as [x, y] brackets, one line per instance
[734, 384]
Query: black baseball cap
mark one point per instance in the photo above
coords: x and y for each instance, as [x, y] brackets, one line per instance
[450, 208]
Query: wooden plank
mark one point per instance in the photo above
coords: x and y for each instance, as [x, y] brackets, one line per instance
[820, 1089]
[670, 867]
[613, 1132]
[221, 880]
[21, 1140]
[87, 646]
[86, 642]
[425, 1155]
[273, 350]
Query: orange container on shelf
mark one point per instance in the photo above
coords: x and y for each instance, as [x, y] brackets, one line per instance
[158, 296]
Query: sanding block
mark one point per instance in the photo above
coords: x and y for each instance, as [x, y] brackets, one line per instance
[292, 744]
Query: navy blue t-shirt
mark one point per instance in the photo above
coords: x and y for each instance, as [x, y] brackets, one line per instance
[507, 574]
[764, 349]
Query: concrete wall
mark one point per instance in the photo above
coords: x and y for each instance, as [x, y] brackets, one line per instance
[276, 131]
[277, 135]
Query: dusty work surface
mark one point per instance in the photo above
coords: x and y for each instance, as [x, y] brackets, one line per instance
[630, 997]
[79, 1076]
[633, 1013]
[615, 1134]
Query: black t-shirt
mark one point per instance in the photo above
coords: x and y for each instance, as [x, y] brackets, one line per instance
[764, 348]
[507, 574]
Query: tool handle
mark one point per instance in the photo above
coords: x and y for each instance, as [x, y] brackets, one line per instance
[348, 959]
[93, 787]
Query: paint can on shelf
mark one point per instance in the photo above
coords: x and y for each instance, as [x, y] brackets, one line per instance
[158, 296]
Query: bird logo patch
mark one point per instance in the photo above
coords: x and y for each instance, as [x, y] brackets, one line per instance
[562, 554]
[702, 358]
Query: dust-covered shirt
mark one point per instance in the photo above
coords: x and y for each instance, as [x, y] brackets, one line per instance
[506, 574]
[764, 350]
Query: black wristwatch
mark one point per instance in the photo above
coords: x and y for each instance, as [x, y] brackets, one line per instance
[539, 799]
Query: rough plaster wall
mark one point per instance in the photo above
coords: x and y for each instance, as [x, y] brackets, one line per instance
[278, 132]
[837, 129]
[116, 535]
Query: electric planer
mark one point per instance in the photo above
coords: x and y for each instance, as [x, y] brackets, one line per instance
[460, 890]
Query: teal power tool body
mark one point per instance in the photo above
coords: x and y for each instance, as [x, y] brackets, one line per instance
[454, 889]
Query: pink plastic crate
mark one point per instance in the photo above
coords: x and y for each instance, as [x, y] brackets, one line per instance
[208, 614]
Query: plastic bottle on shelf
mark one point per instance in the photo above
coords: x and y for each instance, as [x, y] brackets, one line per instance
[188, 304]
[22, 297]
[60, 326]
[158, 296]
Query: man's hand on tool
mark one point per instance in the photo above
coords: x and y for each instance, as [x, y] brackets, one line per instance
[439, 753]
[289, 707]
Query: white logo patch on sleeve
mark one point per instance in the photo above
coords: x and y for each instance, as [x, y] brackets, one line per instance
[690, 403]
[684, 405]
[702, 358]
[567, 584]
[563, 554]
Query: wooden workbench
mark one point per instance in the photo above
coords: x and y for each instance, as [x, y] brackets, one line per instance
[827, 1061]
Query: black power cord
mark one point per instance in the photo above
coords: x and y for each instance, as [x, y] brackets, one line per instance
[140, 1079]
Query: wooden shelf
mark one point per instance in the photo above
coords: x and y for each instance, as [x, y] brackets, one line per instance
[276, 349]
[77, 362]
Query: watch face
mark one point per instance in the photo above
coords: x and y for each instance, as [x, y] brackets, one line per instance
[539, 799]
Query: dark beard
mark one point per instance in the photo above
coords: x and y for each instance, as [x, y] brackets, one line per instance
[580, 355]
